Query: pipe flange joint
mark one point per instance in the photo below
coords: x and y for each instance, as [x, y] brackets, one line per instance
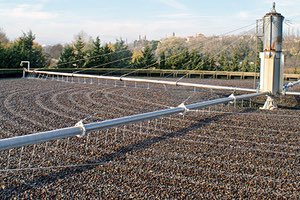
[184, 107]
[82, 127]
[234, 99]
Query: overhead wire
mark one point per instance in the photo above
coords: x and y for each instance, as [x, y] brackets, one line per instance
[104, 64]
[223, 49]
[150, 65]
[175, 55]
[98, 56]
[124, 50]
[216, 54]
[101, 65]
[147, 66]
[180, 79]
[116, 52]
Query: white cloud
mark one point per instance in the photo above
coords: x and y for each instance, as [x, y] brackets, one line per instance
[62, 30]
[54, 27]
[27, 11]
[282, 2]
[174, 4]
[243, 15]
[175, 16]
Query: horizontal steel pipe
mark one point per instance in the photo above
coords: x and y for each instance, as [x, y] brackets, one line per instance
[292, 84]
[36, 138]
[174, 83]
[132, 119]
[40, 137]
[293, 93]
[156, 81]
[223, 100]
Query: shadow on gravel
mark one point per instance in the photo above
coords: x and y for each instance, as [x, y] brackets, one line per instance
[297, 98]
[15, 190]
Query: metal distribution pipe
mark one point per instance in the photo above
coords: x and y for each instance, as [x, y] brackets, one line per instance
[291, 84]
[145, 81]
[196, 85]
[80, 130]
[295, 83]
[293, 93]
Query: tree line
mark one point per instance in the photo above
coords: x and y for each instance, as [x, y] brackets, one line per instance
[200, 52]
[82, 54]
[23, 48]
[194, 53]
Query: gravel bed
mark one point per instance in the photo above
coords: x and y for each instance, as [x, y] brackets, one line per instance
[222, 152]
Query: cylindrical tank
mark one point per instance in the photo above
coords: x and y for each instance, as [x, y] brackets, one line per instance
[272, 59]
[273, 31]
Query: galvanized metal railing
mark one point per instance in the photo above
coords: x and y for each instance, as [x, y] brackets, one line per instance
[81, 129]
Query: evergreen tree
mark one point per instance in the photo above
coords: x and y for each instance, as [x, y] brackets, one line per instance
[256, 66]
[79, 52]
[245, 65]
[95, 56]
[4, 61]
[148, 57]
[162, 61]
[223, 62]
[122, 54]
[3, 56]
[24, 48]
[175, 51]
[67, 57]
[235, 62]
[195, 60]
[185, 61]
[107, 56]
[206, 63]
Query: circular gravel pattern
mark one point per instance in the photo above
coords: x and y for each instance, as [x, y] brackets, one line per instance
[221, 152]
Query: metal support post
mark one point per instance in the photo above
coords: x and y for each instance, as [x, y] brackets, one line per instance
[270, 103]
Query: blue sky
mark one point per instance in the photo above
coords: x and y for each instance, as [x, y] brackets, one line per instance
[57, 21]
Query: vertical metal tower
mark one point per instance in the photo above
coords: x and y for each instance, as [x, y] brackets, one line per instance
[272, 59]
